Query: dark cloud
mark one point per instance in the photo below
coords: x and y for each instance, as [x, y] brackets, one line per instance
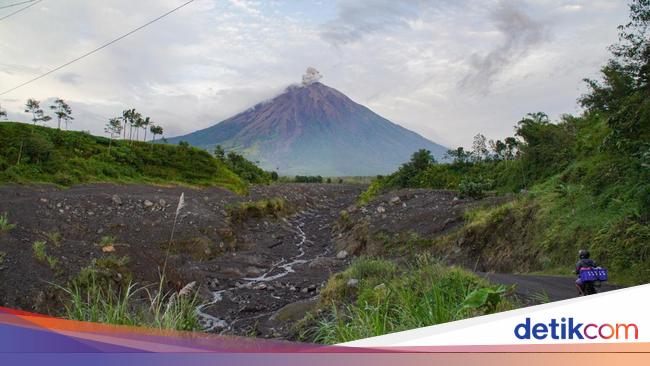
[521, 33]
[356, 19]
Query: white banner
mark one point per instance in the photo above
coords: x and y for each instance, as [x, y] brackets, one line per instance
[615, 316]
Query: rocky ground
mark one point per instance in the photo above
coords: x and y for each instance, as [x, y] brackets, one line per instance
[247, 270]
[257, 276]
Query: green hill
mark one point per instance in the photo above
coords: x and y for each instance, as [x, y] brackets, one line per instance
[35, 154]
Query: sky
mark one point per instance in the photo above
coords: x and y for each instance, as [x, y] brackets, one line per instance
[447, 69]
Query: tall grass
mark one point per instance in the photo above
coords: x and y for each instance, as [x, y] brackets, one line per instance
[98, 301]
[388, 300]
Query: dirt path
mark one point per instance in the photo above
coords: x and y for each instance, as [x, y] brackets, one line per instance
[535, 287]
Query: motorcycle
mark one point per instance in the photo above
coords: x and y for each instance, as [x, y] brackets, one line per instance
[590, 279]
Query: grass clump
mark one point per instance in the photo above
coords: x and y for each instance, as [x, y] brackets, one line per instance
[40, 252]
[5, 225]
[94, 300]
[273, 207]
[385, 299]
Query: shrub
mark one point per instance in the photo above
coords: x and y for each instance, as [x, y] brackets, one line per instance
[474, 188]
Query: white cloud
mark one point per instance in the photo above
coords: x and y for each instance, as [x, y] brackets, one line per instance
[406, 60]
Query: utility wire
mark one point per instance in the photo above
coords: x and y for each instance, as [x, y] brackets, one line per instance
[16, 4]
[98, 48]
[19, 10]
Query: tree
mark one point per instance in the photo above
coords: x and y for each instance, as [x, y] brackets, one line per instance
[219, 152]
[622, 97]
[145, 125]
[138, 121]
[3, 113]
[632, 51]
[127, 117]
[62, 111]
[113, 128]
[498, 147]
[33, 106]
[511, 147]
[459, 155]
[479, 148]
[155, 131]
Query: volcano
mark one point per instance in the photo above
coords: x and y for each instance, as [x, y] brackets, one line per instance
[312, 129]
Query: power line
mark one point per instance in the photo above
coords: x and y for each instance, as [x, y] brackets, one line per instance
[98, 48]
[16, 4]
[21, 9]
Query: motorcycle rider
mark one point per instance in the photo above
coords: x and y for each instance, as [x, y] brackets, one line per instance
[583, 262]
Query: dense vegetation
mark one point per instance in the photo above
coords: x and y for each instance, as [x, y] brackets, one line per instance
[583, 182]
[382, 298]
[244, 168]
[39, 154]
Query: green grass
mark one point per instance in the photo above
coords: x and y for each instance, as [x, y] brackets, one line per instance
[272, 207]
[35, 154]
[40, 252]
[389, 299]
[5, 226]
[93, 300]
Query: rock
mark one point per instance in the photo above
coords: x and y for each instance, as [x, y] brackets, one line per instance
[293, 289]
[100, 230]
[304, 290]
[162, 202]
[342, 254]
[213, 283]
[311, 288]
[294, 311]
[395, 200]
[147, 203]
[108, 249]
[353, 282]
[116, 199]
[43, 200]
[381, 209]
[260, 286]
[253, 271]
[322, 262]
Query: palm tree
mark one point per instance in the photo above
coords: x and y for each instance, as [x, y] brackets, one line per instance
[155, 131]
[135, 122]
[145, 125]
[126, 117]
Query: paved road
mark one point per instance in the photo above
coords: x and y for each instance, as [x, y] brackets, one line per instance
[531, 286]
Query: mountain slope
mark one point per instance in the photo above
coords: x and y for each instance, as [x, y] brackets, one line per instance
[314, 129]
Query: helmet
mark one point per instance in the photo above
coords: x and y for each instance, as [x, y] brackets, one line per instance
[583, 254]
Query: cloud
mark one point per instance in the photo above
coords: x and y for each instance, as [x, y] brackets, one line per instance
[521, 34]
[356, 19]
[403, 59]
